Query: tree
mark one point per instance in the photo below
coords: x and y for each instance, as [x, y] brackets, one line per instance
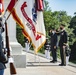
[46, 6]
[19, 35]
[55, 19]
[73, 27]
[73, 39]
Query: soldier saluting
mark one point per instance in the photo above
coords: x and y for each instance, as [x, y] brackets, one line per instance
[53, 40]
[62, 44]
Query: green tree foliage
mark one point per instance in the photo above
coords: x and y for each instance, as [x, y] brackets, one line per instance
[73, 39]
[73, 27]
[73, 53]
[19, 35]
[55, 19]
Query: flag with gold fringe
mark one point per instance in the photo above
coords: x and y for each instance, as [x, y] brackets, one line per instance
[31, 21]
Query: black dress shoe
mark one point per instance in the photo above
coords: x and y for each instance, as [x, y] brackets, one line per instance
[62, 65]
[53, 61]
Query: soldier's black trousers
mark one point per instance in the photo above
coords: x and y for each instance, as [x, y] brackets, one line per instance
[62, 54]
[54, 54]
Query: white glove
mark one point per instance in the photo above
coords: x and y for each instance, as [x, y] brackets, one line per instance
[10, 60]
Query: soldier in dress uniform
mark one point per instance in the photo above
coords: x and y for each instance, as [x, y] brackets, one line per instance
[54, 40]
[62, 44]
[47, 48]
[26, 44]
[2, 56]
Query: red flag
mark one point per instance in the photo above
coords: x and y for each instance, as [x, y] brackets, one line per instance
[1, 7]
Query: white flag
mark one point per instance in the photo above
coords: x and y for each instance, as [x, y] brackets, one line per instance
[31, 21]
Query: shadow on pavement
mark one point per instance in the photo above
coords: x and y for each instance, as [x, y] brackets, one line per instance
[36, 64]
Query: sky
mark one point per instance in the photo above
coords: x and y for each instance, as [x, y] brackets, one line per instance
[64, 5]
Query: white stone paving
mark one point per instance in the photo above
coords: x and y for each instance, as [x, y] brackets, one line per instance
[42, 66]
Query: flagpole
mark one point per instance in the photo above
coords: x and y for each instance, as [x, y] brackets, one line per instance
[12, 67]
[38, 58]
[36, 55]
[26, 58]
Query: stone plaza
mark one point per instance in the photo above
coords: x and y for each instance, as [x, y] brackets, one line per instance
[39, 65]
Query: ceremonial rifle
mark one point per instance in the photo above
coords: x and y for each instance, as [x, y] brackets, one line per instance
[12, 67]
